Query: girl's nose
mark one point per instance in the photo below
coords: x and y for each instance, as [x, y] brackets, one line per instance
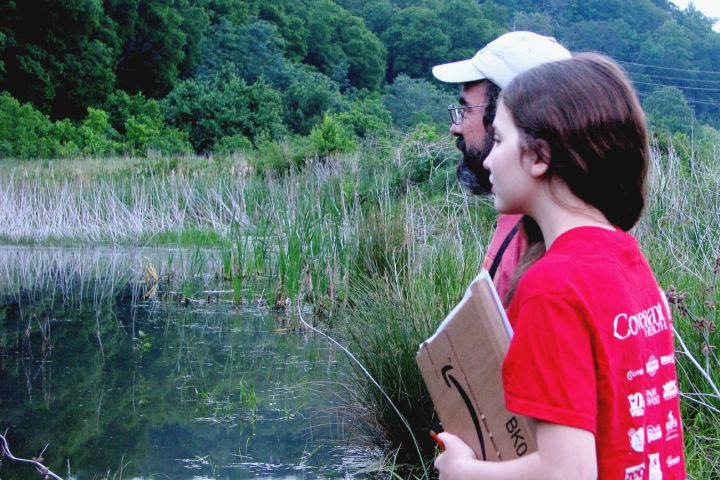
[488, 160]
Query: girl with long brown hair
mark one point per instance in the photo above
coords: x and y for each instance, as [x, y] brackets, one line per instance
[592, 355]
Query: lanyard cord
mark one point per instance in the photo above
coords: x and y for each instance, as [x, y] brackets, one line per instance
[496, 261]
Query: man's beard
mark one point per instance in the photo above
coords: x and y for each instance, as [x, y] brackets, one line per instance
[470, 171]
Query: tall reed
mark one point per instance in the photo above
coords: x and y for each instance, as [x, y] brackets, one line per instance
[417, 260]
[680, 233]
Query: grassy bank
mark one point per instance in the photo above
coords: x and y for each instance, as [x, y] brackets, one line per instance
[382, 239]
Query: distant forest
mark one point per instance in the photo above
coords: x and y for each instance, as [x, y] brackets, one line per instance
[192, 73]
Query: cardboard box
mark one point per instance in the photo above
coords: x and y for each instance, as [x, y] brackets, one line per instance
[462, 368]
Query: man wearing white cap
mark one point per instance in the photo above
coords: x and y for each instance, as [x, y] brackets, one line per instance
[483, 76]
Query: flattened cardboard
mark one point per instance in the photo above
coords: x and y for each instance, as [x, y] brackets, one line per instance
[462, 368]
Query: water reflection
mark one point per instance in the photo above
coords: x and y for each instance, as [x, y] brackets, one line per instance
[120, 387]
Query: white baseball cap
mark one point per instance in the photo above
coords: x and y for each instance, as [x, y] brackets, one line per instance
[504, 58]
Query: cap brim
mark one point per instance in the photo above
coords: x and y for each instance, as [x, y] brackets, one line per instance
[457, 72]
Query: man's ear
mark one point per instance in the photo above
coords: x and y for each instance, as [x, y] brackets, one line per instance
[540, 158]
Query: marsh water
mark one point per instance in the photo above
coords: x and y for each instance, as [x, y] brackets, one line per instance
[137, 364]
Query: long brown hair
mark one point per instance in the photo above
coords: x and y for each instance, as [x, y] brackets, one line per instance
[586, 111]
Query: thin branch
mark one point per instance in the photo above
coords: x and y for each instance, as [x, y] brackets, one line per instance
[39, 466]
[702, 371]
[368, 375]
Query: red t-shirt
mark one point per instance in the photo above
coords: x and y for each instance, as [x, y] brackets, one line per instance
[593, 349]
[510, 259]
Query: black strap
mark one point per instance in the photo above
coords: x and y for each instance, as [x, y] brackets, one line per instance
[501, 251]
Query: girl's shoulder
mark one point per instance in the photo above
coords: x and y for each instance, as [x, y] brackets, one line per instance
[583, 258]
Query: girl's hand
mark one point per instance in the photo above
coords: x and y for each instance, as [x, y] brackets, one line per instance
[563, 452]
[452, 462]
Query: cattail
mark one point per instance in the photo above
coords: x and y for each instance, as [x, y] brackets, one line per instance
[699, 324]
[707, 348]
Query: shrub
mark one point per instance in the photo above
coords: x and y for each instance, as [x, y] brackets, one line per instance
[95, 136]
[668, 110]
[708, 140]
[224, 106]
[331, 136]
[24, 132]
[145, 133]
[367, 118]
[120, 107]
[232, 144]
[423, 151]
[282, 155]
[65, 134]
[170, 141]
[306, 100]
[412, 101]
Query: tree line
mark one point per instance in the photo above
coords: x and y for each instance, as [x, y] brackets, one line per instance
[109, 76]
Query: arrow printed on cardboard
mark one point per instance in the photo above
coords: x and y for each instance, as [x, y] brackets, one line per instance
[468, 404]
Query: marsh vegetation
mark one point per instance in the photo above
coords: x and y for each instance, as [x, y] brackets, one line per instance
[378, 244]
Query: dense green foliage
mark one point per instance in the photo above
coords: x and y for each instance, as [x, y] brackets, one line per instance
[226, 105]
[59, 55]
[308, 58]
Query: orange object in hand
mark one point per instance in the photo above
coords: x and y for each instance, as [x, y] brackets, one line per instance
[440, 443]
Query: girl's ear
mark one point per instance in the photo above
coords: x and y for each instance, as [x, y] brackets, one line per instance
[540, 158]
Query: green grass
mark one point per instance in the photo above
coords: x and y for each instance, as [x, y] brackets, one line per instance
[415, 264]
[191, 237]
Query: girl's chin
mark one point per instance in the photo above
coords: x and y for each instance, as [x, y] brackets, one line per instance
[504, 208]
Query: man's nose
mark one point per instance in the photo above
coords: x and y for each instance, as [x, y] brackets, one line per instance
[455, 129]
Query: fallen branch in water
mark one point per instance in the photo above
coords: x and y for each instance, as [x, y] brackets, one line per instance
[5, 450]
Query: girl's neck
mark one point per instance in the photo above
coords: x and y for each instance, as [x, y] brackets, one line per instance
[560, 210]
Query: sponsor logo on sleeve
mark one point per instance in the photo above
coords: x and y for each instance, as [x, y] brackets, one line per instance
[673, 460]
[655, 470]
[670, 389]
[634, 373]
[671, 427]
[637, 404]
[650, 322]
[667, 359]
[635, 473]
[652, 365]
[652, 397]
[654, 433]
[637, 439]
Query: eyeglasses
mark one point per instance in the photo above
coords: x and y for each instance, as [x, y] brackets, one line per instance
[458, 113]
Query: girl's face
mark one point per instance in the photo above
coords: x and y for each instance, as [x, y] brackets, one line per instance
[513, 171]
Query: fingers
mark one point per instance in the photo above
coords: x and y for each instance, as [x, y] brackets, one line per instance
[456, 445]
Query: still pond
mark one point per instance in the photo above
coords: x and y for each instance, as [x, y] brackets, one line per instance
[122, 380]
